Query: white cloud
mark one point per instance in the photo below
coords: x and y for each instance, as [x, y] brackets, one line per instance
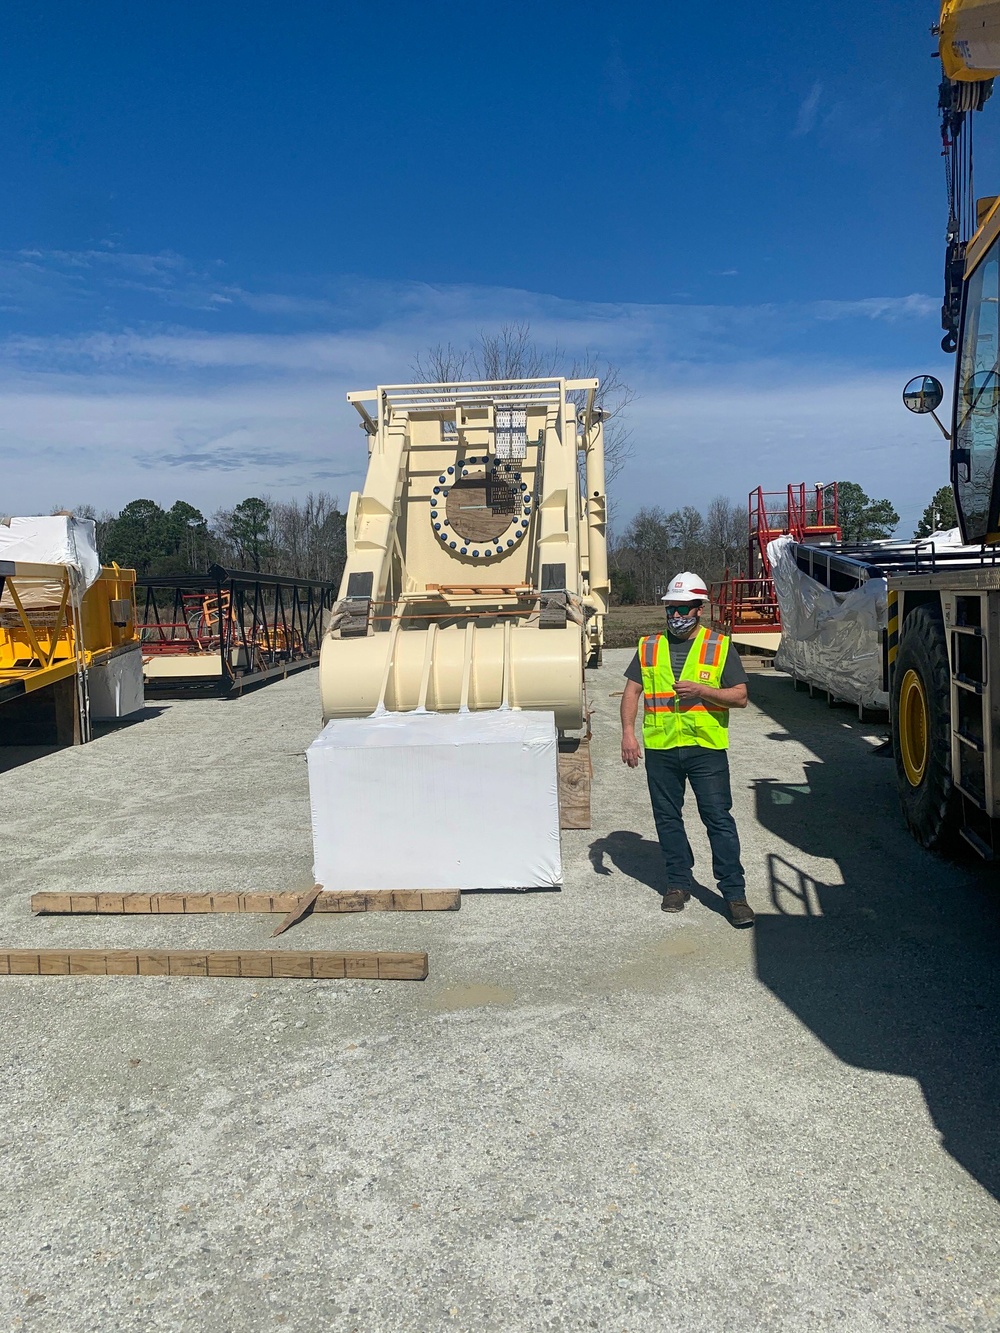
[808, 110]
[730, 396]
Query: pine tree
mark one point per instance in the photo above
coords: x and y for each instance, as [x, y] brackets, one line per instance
[939, 515]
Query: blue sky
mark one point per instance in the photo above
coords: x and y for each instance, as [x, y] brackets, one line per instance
[218, 218]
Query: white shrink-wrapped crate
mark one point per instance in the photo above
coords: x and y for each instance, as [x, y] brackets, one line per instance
[436, 801]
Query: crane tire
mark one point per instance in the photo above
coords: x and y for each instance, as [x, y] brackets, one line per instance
[921, 729]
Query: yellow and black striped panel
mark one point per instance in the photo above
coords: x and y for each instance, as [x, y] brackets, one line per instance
[893, 626]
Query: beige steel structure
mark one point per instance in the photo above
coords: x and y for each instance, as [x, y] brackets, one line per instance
[477, 570]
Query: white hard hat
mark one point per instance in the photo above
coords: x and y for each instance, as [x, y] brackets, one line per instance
[686, 587]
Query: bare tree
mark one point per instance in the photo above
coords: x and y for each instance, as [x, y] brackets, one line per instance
[726, 531]
[442, 364]
[656, 544]
[102, 521]
[511, 353]
[613, 397]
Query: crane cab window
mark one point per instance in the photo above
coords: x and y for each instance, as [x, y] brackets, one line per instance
[977, 406]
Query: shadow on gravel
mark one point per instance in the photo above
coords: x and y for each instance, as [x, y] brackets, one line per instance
[13, 756]
[895, 970]
[640, 859]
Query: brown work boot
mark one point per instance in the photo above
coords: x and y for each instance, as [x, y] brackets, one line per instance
[741, 914]
[674, 900]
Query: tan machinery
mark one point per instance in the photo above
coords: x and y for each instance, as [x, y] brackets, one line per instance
[477, 571]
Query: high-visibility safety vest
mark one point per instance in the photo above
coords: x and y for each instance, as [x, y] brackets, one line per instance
[669, 720]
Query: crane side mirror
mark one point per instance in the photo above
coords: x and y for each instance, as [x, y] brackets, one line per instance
[923, 394]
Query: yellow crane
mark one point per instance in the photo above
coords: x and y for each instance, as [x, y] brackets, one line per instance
[943, 653]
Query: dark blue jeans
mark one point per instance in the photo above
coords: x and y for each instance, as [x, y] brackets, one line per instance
[667, 772]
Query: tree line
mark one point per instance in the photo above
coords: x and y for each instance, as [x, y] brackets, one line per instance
[301, 538]
[657, 544]
[307, 538]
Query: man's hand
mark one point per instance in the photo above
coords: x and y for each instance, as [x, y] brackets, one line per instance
[631, 697]
[690, 689]
[630, 749]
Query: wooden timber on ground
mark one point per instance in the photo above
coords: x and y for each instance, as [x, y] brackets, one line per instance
[575, 773]
[273, 963]
[152, 904]
[301, 909]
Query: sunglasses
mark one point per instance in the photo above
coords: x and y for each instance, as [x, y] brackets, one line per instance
[680, 609]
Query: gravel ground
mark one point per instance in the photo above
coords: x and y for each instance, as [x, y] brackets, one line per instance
[590, 1116]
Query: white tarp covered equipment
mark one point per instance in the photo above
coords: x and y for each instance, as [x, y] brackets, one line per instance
[58, 539]
[436, 801]
[831, 639]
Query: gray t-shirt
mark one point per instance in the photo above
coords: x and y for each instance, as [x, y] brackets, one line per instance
[732, 673]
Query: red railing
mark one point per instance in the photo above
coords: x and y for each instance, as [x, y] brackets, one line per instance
[746, 601]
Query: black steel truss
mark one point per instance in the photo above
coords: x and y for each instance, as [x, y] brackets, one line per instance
[262, 625]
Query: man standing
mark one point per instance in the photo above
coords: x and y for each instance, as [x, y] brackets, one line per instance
[688, 681]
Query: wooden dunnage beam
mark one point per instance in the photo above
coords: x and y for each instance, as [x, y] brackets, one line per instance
[575, 773]
[153, 904]
[275, 963]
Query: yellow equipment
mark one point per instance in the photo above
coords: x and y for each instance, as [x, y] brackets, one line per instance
[969, 40]
[54, 642]
[477, 572]
[943, 651]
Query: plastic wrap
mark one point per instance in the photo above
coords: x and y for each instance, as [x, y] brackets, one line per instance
[58, 539]
[831, 639]
[436, 801]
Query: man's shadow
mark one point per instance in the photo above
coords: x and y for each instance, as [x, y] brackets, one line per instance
[641, 859]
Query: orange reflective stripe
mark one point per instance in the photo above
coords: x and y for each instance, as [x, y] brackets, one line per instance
[647, 650]
[711, 650]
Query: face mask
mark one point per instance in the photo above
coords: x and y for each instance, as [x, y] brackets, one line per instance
[681, 626]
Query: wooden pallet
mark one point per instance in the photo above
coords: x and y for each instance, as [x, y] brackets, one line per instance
[273, 963]
[152, 904]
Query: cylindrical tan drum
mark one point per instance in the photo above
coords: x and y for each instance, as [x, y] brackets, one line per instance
[545, 671]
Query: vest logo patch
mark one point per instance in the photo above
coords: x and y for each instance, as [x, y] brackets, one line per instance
[704, 675]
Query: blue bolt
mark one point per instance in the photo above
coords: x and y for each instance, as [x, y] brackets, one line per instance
[450, 471]
[437, 527]
[465, 550]
[452, 545]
